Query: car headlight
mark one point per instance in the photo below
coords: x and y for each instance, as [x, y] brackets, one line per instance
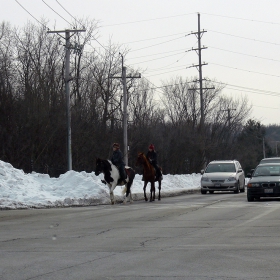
[231, 179]
[205, 179]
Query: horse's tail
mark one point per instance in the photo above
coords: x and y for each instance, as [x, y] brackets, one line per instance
[131, 175]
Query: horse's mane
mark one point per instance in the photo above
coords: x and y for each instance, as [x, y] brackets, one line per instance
[147, 162]
[107, 163]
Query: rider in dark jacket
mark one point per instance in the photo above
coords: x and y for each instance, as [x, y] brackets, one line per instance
[117, 160]
[152, 157]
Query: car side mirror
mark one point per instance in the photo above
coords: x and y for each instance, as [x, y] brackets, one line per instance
[239, 170]
[249, 175]
[202, 172]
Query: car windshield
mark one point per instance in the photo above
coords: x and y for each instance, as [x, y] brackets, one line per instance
[267, 170]
[220, 167]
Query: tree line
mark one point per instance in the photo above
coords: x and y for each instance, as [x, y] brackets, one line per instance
[33, 125]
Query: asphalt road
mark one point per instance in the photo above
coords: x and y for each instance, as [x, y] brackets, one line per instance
[218, 236]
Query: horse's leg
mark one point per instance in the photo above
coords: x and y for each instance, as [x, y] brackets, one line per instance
[144, 189]
[159, 188]
[152, 192]
[130, 197]
[112, 197]
[125, 193]
[128, 192]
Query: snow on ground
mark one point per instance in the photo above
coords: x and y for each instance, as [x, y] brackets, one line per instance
[19, 190]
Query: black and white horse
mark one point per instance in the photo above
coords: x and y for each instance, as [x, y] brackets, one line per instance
[112, 177]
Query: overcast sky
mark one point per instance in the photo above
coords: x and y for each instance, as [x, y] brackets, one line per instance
[242, 40]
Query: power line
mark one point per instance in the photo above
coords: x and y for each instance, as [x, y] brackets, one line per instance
[158, 44]
[69, 13]
[132, 22]
[56, 12]
[155, 54]
[271, 43]
[252, 20]
[249, 71]
[255, 56]
[159, 58]
[171, 40]
[155, 38]
[32, 16]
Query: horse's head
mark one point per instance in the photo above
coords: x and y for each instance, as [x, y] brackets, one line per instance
[141, 158]
[102, 166]
[99, 166]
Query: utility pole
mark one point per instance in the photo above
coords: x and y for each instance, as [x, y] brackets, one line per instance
[229, 117]
[199, 35]
[276, 147]
[67, 79]
[124, 77]
[263, 147]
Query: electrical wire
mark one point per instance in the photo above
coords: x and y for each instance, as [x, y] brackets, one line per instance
[245, 38]
[232, 86]
[56, 13]
[265, 58]
[158, 44]
[33, 16]
[245, 19]
[249, 71]
[132, 22]
[69, 14]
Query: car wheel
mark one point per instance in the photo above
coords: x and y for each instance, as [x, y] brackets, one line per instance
[250, 198]
[238, 188]
[203, 192]
[243, 190]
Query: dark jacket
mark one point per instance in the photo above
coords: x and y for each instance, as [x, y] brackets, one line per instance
[152, 157]
[117, 158]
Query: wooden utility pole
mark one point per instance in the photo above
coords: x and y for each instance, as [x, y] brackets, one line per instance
[229, 116]
[199, 35]
[67, 79]
[124, 77]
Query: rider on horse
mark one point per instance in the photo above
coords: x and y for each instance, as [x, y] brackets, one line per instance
[152, 157]
[117, 160]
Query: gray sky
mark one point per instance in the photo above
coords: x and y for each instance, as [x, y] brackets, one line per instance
[242, 40]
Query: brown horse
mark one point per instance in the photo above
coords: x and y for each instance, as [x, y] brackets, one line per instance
[149, 175]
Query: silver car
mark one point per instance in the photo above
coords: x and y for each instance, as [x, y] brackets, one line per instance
[223, 175]
[270, 160]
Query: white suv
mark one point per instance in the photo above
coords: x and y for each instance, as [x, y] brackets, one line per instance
[223, 175]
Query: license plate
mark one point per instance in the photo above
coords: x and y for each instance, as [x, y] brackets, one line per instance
[217, 185]
[268, 190]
